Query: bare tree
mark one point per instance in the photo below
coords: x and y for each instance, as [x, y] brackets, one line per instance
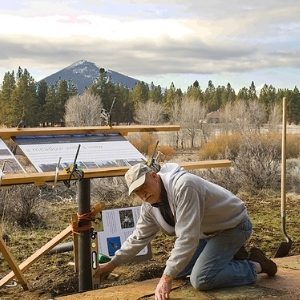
[246, 116]
[257, 113]
[274, 118]
[228, 117]
[240, 116]
[192, 114]
[175, 117]
[83, 110]
[149, 113]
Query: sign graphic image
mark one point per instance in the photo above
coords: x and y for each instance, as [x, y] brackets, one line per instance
[8, 162]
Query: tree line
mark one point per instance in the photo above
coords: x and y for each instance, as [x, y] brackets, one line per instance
[39, 104]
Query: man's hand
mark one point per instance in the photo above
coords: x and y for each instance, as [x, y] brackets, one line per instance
[104, 270]
[163, 288]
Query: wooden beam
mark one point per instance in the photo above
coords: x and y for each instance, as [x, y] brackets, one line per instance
[13, 264]
[206, 164]
[30, 260]
[7, 133]
[49, 177]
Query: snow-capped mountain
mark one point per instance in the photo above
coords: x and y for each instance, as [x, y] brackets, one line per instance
[84, 72]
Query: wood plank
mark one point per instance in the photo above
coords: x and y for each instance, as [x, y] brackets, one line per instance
[135, 290]
[206, 164]
[74, 222]
[48, 177]
[13, 264]
[7, 133]
[45, 249]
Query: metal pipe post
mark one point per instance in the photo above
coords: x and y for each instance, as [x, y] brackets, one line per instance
[84, 241]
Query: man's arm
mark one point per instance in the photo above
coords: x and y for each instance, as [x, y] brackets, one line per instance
[105, 269]
[163, 288]
[187, 228]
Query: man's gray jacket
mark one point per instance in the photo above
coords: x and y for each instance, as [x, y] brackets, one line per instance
[201, 209]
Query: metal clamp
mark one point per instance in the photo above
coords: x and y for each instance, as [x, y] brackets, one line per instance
[56, 172]
[74, 171]
[153, 163]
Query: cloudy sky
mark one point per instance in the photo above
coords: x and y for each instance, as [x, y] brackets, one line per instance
[164, 41]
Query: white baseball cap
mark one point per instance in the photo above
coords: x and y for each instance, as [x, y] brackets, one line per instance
[136, 176]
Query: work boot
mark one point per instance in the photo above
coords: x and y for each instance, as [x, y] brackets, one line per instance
[267, 265]
[241, 254]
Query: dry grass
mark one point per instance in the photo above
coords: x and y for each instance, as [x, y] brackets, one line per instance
[52, 275]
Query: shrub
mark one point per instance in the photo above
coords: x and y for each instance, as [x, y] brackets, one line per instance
[144, 142]
[257, 164]
[225, 177]
[22, 205]
[167, 153]
[108, 189]
[256, 159]
[293, 175]
[217, 147]
[292, 146]
[113, 191]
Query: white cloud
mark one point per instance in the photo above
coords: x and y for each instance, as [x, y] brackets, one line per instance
[138, 38]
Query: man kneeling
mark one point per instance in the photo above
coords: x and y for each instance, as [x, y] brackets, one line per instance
[211, 226]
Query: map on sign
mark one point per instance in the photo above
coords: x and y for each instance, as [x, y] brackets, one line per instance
[8, 162]
[96, 151]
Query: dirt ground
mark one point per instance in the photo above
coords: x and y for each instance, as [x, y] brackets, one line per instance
[53, 275]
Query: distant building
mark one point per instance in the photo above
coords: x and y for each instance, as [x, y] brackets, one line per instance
[215, 117]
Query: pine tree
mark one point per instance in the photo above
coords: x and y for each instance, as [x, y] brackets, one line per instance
[24, 103]
[72, 88]
[267, 97]
[294, 107]
[51, 107]
[252, 91]
[8, 85]
[209, 95]
[170, 98]
[228, 95]
[155, 93]
[123, 109]
[42, 90]
[140, 93]
[104, 88]
[194, 92]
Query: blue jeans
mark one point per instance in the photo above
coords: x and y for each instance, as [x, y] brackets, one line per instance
[212, 266]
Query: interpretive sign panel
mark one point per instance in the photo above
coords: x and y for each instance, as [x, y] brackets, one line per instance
[114, 226]
[96, 151]
[8, 162]
[111, 227]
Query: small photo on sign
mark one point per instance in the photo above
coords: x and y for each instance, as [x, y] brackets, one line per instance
[4, 152]
[126, 218]
[11, 165]
[113, 244]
